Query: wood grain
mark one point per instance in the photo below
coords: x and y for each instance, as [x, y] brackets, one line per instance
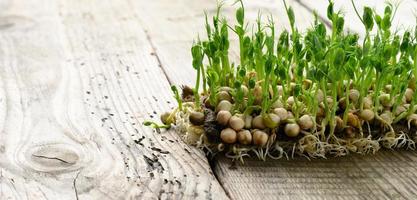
[78, 78]
[385, 175]
[388, 175]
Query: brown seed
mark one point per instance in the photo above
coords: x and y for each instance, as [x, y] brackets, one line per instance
[257, 92]
[354, 95]
[290, 102]
[320, 96]
[367, 102]
[164, 118]
[258, 122]
[339, 123]
[223, 117]
[306, 122]
[353, 120]
[196, 118]
[292, 130]
[271, 120]
[367, 115]
[228, 136]
[224, 105]
[387, 117]
[409, 93]
[244, 137]
[399, 110]
[236, 123]
[385, 100]
[277, 104]
[282, 113]
[260, 138]
[245, 90]
[223, 95]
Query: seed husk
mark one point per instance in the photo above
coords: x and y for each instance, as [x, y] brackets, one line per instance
[258, 122]
[367, 115]
[282, 113]
[244, 137]
[223, 117]
[196, 118]
[306, 122]
[260, 138]
[228, 136]
[224, 105]
[292, 130]
[236, 122]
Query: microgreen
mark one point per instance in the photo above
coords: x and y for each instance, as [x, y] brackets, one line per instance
[332, 84]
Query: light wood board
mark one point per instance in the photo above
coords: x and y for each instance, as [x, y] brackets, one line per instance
[78, 78]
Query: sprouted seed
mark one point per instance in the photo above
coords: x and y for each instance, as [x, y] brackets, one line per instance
[316, 93]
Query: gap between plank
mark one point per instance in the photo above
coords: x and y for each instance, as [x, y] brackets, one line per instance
[155, 53]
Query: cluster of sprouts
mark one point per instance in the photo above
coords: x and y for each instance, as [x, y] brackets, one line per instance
[314, 93]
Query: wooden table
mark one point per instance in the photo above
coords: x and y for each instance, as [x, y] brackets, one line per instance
[78, 78]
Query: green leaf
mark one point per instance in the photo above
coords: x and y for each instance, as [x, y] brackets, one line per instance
[339, 24]
[240, 15]
[291, 16]
[330, 11]
[339, 57]
[367, 18]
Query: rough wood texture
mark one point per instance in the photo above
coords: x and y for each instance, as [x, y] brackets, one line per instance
[386, 175]
[77, 80]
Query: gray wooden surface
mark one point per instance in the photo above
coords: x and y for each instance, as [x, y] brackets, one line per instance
[78, 77]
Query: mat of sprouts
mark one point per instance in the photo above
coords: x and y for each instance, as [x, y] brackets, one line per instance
[317, 93]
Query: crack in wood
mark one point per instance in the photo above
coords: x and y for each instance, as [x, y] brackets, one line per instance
[155, 53]
[52, 158]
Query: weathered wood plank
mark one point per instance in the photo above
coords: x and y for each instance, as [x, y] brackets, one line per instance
[385, 175]
[388, 175]
[77, 81]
